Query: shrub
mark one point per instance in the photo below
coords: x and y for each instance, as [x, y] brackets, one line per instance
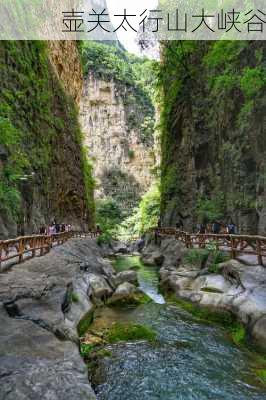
[131, 154]
[210, 209]
[217, 257]
[196, 256]
[75, 297]
[199, 257]
[150, 209]
[104, 238]
[86, 349]
[253, 81]
[85, 323]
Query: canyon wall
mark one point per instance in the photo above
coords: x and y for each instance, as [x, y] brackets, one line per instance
[213, 134]
[44, 172]
[113, 122]
[65, 58]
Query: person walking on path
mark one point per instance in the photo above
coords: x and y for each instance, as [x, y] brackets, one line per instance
[42, 230]
[202, 229]
[231, 228]
[180, 225]
[51, 229]
[216, 227]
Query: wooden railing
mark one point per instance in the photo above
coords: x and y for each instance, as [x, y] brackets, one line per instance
[236, 244]
[26, 247]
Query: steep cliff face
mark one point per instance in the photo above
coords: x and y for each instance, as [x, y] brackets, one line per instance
[64, 57]
[122, 159]
[44, 172]
[117, 118]
[213, 133]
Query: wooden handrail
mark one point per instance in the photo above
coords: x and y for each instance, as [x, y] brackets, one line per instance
[18, 247]
[236, 244]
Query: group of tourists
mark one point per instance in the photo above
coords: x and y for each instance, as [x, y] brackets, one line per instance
[217, 228]
[54, 228]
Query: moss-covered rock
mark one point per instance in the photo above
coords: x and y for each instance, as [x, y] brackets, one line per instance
[127, 332]
[223, 318]
[134, 298]
[85, 323]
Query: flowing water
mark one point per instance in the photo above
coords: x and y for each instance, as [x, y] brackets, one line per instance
[191, 360]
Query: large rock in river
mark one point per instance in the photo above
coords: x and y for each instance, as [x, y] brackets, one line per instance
[126, 276]
[41, 304]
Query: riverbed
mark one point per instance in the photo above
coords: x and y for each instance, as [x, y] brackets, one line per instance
[190, 359]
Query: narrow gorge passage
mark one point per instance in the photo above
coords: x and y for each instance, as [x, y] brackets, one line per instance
[189, 360]
[132, 213]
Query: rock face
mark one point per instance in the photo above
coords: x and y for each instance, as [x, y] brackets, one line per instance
[41, 304]
[126, 276]
[213, 123]
[245, 296]
[48, 176]
[65, 58]
[122, 158]
[123, 292]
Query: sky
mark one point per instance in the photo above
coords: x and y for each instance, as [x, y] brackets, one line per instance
[128, 39]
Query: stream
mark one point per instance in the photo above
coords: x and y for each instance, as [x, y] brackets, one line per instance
[190, 360]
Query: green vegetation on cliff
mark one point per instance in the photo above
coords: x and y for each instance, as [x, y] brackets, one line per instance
[40, 134]
[213, 101]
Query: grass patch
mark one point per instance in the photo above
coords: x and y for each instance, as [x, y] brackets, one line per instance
[199, 258]
[261, 373]
[225, 319]
[75, 297]
[85, 323]
[238, 333]
[90, 352]
[118, 332]
[258, 365]
[102, 353]
[196, 256]
[86, 349]
[127, 332]
[217, 257]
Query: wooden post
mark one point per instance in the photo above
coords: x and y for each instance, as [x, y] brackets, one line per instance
[233, 250]
[33, 245]
[20, 250]
[188, 241]
[1, 252]
[50, 241]
[260, 259]
[42, 244]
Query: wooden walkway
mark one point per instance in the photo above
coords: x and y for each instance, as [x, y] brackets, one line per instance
[25, 247]
[237, 245]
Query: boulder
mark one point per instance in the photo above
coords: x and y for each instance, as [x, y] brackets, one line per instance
[213, 283]
[158, 260]
[173, 251]
[126, 276]
[123, 292]
[38, 350]
[168, 253]
[259, 332]
[120, 248]
[99, 288]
